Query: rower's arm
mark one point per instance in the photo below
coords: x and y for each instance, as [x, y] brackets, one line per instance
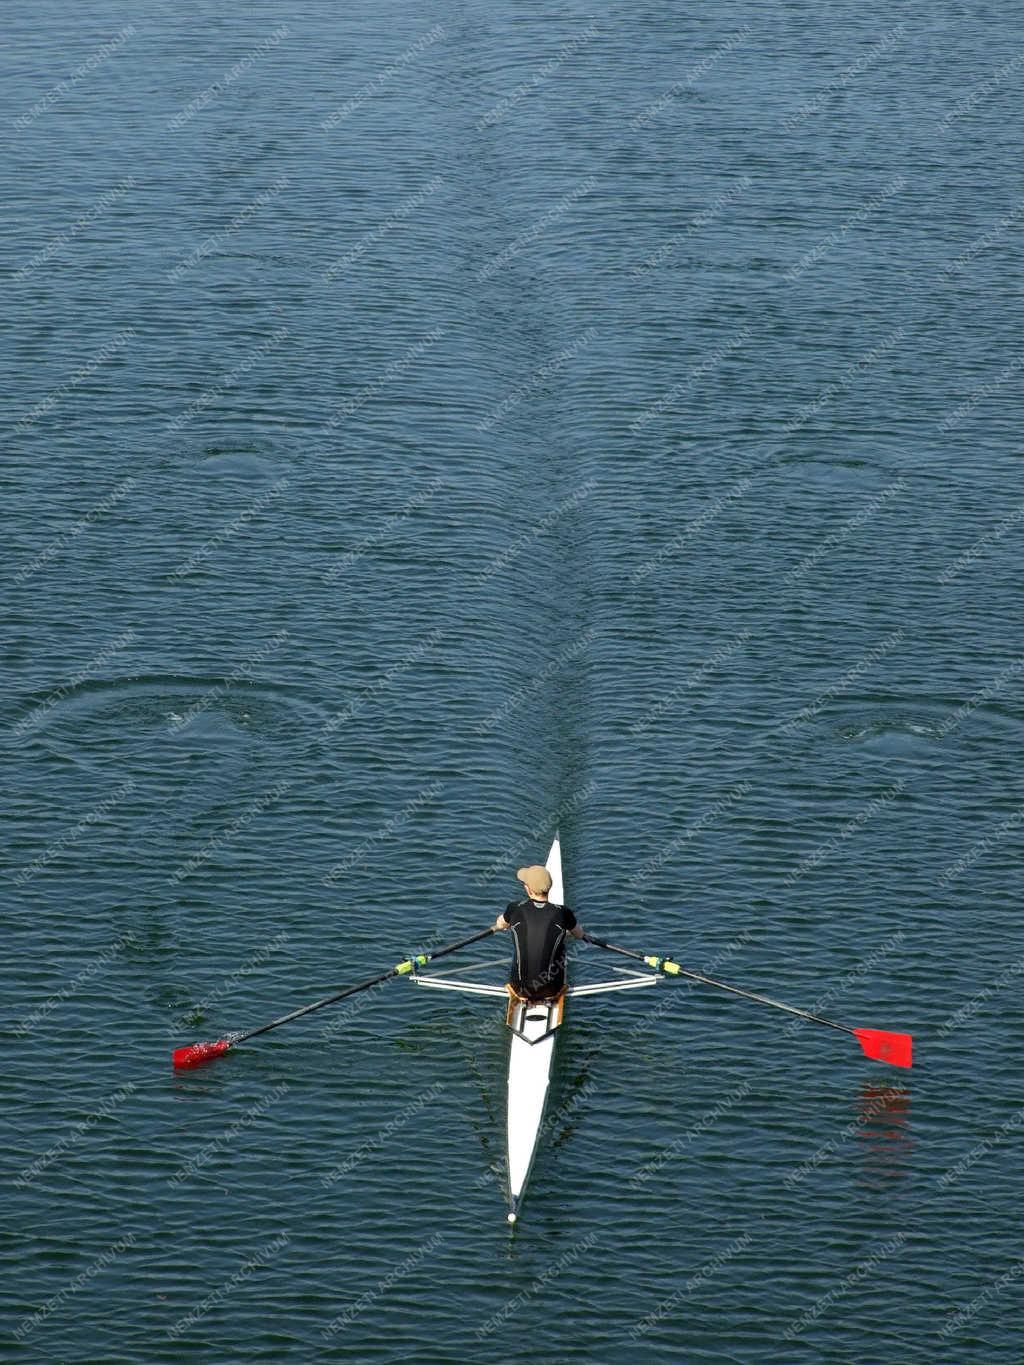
[577, 932]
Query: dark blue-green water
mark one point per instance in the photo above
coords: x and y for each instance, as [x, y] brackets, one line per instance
[429, 427]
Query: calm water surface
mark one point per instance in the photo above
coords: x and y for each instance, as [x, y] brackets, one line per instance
[426, 428]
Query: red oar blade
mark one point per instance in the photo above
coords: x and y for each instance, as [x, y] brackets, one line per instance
[895, 1048]
[197, 1053]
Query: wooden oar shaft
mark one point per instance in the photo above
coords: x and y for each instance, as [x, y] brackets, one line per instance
[723, 986]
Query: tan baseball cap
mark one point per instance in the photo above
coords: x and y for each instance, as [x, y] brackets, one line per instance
[537, 878]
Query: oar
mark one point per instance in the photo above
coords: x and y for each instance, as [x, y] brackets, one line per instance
[880, 1046]
[196, 1053]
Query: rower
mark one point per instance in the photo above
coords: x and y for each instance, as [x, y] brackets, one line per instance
[540, 930]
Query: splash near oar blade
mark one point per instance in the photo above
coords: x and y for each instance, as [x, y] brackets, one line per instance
[197, 1053]
[895, 1048]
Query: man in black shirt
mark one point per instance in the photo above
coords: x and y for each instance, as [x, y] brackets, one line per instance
[539, 930]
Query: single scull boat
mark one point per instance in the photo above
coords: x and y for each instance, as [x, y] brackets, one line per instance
[534, 1027]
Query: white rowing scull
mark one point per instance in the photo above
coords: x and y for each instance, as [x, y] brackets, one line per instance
[534, 1027]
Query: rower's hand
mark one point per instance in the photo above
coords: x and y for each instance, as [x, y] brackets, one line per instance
[500, 922]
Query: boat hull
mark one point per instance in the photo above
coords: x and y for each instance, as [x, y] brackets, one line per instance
[534, 1029]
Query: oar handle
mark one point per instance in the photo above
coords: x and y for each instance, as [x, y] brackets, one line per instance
[612, 948]
[454, 947]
